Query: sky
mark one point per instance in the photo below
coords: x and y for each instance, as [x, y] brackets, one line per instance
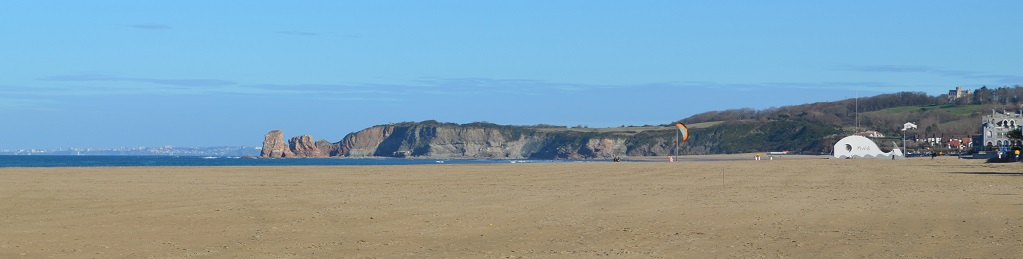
[223, 73]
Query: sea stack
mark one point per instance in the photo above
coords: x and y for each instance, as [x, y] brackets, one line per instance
[274, 146]
[303, 146]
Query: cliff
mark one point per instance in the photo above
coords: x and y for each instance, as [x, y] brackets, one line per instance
[478, 140]
[431, 139]
[326, 148]
[303, 146]
[274, 146]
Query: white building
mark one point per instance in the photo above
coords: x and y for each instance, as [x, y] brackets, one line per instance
[871, 134]
[997, 126]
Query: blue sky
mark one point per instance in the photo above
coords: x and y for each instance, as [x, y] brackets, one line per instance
[218, 73]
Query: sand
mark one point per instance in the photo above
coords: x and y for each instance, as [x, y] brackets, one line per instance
[814, 208]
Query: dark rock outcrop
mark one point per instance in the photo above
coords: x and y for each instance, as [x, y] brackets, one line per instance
[274, 146]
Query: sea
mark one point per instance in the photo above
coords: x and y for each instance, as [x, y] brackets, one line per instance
[126, 161]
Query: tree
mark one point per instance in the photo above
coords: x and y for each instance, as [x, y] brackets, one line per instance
[1015, 136]
[982, 95]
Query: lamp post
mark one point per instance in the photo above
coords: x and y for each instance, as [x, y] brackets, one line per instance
[905, 129]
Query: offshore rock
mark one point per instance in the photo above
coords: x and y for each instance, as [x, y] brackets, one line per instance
[327, 148]
[274, 146]
[303, 146]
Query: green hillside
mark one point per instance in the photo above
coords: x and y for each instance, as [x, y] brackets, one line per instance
[813, 128]
[951, 108]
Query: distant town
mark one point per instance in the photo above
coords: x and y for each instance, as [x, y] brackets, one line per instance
[139, 151]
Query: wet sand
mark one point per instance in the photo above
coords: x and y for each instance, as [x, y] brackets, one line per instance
[816, 208]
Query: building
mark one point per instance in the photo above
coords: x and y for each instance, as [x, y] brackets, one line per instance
[946, 140]
[959, 143]
[997, 126]
[870, 134]
[957, 93]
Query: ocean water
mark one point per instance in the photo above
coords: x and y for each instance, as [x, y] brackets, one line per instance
[88, 161]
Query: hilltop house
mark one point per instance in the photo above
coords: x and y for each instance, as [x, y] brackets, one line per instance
[957, 93]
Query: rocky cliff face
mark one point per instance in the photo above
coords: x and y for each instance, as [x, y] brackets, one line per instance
[458, 141]
[485, 141]
[303, 146]
[327, 148]
[365, 142]
[431, 139]
[274, 146]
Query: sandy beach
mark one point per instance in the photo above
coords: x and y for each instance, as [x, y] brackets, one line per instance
[808, 208]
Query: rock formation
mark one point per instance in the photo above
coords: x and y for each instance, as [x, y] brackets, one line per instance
[475, 140]
[303, 146]
[327, 148]
[365, 142]
[274, 146]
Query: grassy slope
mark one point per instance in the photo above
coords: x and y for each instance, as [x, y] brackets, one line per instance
[746, 135]
[631, 130]
[617, 130]
[951, 108]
